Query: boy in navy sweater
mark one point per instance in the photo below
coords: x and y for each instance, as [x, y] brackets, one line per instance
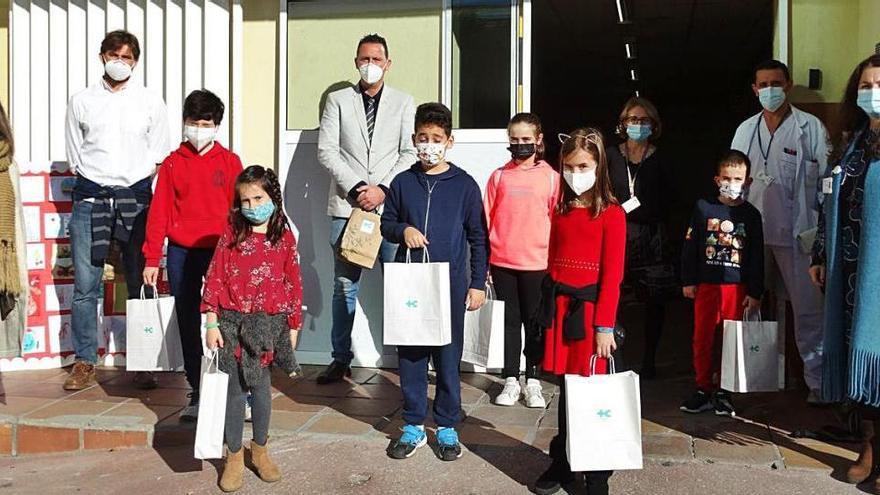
[437, 206]
[722, 269]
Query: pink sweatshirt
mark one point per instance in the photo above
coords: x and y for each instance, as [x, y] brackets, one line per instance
[519, 204]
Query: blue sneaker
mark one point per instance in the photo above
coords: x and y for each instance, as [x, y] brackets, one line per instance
[448, 447]
[412, 438]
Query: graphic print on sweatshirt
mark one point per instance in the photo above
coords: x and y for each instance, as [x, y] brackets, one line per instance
[725, 242]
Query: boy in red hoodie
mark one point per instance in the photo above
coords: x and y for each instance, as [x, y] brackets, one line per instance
[190, 208]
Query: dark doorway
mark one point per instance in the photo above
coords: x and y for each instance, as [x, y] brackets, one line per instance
[693, 59]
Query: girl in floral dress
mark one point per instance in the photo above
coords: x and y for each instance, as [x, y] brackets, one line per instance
[253, 301]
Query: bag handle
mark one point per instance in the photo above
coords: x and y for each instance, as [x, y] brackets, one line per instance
[155, 292]
[425, 257]
[611, 368]
[746, 315]
[214, 361]
[490, 291]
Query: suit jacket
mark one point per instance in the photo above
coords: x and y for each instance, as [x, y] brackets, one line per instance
[344, 146]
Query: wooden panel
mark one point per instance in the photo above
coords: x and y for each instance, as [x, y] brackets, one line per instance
[77, 51]
[216, 52]
[21, 88]
[174, 65]
[39, 67]
[115, 14]
[58, 80]
[95, 30]
[192, 49]
[134, 24]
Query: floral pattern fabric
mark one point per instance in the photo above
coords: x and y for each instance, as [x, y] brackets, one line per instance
[255, 276]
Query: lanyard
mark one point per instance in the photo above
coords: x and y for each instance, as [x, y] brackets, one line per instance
[764, 155]
[630, 177]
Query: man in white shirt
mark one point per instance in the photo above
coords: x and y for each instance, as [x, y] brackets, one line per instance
[788, 149]
[117, 134]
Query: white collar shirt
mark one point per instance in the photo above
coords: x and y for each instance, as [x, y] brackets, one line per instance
[116, 138]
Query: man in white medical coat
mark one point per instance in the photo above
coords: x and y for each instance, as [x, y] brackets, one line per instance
[788, 149]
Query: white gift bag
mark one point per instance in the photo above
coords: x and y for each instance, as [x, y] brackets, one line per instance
[603, 414]
[750, 356]
[151, 334]
[212, 409]
[417, 303]
[484, 333]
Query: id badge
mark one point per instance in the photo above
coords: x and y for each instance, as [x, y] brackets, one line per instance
[827, 185]
[631, 204]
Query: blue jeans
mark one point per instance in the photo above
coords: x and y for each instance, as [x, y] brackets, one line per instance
[186, 269]
[87, 278]
[346, 283]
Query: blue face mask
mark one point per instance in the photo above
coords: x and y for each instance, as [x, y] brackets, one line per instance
[771, 98]
[869, 101]
[260, 214]
[638, 132]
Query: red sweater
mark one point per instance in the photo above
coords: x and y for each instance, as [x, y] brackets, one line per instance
[585, 251]
[192, 199]
[254, 277]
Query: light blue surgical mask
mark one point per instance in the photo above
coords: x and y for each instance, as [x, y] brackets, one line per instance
[638, 132]
[260, 214]
[869, 101]
[771, 97]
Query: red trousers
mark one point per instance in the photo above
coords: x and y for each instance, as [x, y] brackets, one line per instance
[714, 304]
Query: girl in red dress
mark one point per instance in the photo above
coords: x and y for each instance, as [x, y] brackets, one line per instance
[253, 301]
[579, 306]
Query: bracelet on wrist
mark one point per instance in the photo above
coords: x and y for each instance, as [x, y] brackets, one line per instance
[209, 326]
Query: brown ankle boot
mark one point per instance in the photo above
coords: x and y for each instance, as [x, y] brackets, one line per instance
[233, 471]
[864, 465]
[81, 377]
[266, 469]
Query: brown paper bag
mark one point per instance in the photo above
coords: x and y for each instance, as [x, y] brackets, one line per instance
[361, 239]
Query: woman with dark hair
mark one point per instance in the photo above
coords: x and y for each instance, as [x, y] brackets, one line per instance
[640, 182]
[845, 262]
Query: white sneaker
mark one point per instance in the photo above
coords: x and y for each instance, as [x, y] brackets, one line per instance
[510, 395]
[534, 395]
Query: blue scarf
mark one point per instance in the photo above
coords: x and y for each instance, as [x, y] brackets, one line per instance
[853, 372]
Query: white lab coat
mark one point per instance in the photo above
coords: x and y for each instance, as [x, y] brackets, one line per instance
[793, 260]
[812, 155]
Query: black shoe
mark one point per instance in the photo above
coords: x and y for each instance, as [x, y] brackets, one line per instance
[553, 478]
[723, 404]
[597, 482]
[697, 403]
[145, 380]
[333, 373]
[412, 438]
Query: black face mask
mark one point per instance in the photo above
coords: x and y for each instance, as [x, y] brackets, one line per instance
[522, 150]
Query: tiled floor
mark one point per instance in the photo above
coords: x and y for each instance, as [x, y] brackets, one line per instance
[113, 413]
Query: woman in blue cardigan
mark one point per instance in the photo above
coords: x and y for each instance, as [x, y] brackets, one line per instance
[846, 261]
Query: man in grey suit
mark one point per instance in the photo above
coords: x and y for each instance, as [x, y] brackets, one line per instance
[364, 141]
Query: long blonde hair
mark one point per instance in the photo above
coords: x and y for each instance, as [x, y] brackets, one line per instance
[588, 139]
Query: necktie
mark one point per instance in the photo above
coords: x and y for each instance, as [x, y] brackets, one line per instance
[371, 116]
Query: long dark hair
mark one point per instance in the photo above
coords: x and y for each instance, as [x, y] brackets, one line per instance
[851, 118]
[266, 179]
[600, 196]
[6, 133]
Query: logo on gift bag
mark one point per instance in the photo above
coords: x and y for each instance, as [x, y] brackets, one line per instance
[604, 413]
[148, 329]
[755, 348]
[412, 303]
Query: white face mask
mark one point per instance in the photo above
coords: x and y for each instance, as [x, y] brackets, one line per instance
[431, 153]
[117, 69]
[371, 73]
[730, 190]
[199, 137]
[580, 182]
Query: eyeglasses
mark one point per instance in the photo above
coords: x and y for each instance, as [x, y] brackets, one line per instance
[632, 119]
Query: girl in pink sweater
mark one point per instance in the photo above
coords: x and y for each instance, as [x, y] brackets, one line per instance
[519, 202]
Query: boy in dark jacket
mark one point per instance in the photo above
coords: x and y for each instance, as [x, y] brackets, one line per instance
[437, 206]
[722, 269]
